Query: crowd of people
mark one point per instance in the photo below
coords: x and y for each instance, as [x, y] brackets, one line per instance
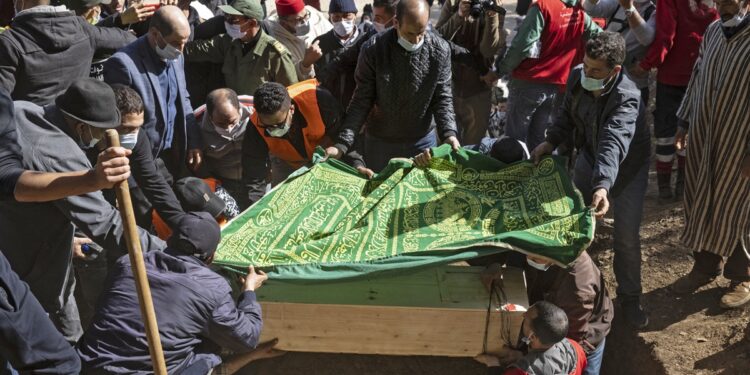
[215, 102]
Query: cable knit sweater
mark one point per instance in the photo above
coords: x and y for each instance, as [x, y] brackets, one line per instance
[399, 92]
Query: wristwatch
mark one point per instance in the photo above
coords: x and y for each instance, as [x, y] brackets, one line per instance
[630, 11]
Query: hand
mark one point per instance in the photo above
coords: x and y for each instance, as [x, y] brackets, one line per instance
[490, 79]
[77, 250]
[266, 350]
[626, 4]
[488, 360]
[464, 7]
[453, 141]
[600, 203]
[112, 166]
[253, 280]
[333, 152]
[745, 169]
[493, 272]
[680, 138]
[637, 71]
[423, 159]
[136, 13]
[168, 2]
[195, 158]
[542, 150]
[312, 54]
[367, 172]
[492, 13]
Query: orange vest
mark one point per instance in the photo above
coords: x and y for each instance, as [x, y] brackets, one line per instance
[164, 231]
[305, 99]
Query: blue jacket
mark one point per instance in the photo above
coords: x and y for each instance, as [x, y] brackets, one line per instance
[135, 66]
[193, 304]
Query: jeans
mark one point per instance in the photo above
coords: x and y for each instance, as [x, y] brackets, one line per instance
[531, 109]
[378, 152]
[594, 360]
[627, 207]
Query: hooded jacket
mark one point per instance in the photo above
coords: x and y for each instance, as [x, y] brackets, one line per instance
[47, 48]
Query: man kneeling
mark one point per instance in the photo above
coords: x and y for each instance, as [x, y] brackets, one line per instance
[193, 305]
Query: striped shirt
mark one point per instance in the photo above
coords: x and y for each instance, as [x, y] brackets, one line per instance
[717, 209]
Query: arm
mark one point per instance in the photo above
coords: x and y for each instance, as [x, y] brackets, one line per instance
[591, 27]
[493, 36]
[153, 184]
[684, 113]
[107, 39]
[343, 62]
[116, 72]
[644, 31]
[523, 43]
[285, 70]
[332, 114]
[236, 327]
[9, 58]
[563, 125]
[113, 20]
[362, 100]
[211, 50]
[441, 104]
[600, 8]
[450, 21]
[666, 30]
[255, 163]
[614, 141]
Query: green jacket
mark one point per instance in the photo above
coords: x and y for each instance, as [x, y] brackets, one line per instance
[269, 61]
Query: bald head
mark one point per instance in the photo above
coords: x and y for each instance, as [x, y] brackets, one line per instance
[169, 26]
[412, 17]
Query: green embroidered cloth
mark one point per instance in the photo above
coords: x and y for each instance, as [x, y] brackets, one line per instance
[327, 222]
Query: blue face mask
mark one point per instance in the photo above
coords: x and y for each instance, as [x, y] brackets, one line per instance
[129, 140]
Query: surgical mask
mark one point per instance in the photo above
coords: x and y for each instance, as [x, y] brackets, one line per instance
[279, 132]
[343, 28]
[129, 140]
[303, 28]
[379, 27]
[526, 340]
[408, 45]
[168, 52]
[539, 266]
[591, 84]
[230, 131]
[91, 143]
[736, 20]
[235, 31]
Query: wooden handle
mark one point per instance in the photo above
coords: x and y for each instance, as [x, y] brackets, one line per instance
[139, 268]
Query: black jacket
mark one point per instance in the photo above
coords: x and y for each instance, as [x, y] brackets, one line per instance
[404, 90]
[340, 85]
[45, 51]
[610, 131]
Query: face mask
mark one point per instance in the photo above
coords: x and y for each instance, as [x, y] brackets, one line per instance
[539, 266]
[591, 84]
[234, 31]
[303, 28]
[343, 28]
[736, 20]
[408, 45]
[526, 340]
[168, 52]
[91, 143]
[129, 140]
[379, 27]
[279, 132]
[230, 131]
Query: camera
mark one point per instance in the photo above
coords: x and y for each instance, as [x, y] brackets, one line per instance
[479, 6]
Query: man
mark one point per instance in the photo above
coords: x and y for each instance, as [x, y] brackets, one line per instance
[635, 20]
[224, 121]
[403, 78]
[483, 36]
[680, 25]
[718, 166]
[548, 44]
[603, 110]
[345, 34]
[153, 66]
[248, 55]
[47, 48]
[580, 291]
[384, 13]
[52, 139]
[544, 328]
[193, 305]
[296, 26]
[288, 124]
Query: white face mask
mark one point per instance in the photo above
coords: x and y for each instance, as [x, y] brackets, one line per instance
[539, 266]
[736, 20]
[91, 143]
[302, 29]
[343, 28]
[169, 52]
[407, 45]
[279, 132]
[129, 140]
[232, 130]
[234, 31]
[591, 84]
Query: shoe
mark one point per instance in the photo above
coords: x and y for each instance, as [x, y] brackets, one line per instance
[664, 181]
[737, 295]
[691, 282]
[634, 314]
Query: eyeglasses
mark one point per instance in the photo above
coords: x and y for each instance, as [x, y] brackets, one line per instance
[274, 126]
[237, 20]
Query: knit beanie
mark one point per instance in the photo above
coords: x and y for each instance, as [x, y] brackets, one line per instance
[289, 7]
[342, 6]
